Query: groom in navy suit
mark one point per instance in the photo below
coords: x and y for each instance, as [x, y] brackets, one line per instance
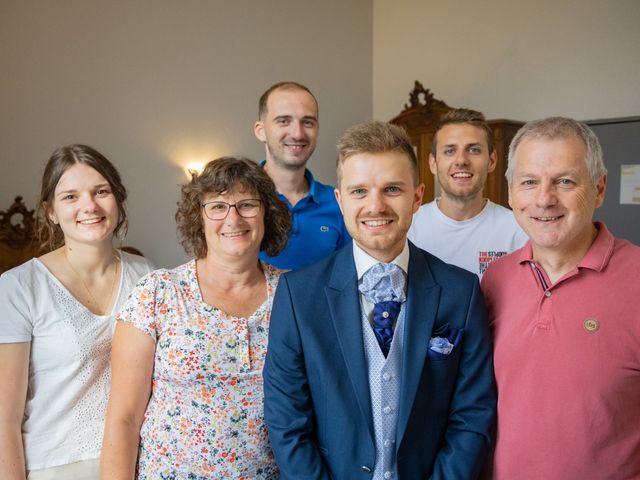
[379, 363]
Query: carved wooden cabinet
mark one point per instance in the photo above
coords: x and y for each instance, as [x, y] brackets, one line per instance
[17, 236]
[420, 119]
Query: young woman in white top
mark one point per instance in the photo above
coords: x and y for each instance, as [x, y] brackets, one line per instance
[56, 322]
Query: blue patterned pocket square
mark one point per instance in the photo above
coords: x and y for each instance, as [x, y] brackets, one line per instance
[444, 340]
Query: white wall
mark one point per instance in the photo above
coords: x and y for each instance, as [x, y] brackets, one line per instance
[510, 58]
[154, 85]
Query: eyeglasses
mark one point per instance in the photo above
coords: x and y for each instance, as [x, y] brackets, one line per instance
[248, 208]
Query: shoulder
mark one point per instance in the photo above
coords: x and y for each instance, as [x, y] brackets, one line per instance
[323, 192]
[164, 278]
[627, 254]
[502, 268]
[26, 275]
[271, 273]
[136, 263]
[425, 211]
[28, 268]
[443, 273]
[318, 273]
[500, 212]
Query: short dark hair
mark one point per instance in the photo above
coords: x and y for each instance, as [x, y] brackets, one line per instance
[375, 137]
[463, 115]
[227, 174]
[264, 98]
[50, 235]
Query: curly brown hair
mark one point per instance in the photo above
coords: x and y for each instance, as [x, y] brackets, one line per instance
[223, 175]
[50, 235]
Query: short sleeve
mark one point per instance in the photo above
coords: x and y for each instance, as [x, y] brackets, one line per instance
[140, 308]
[15, 317]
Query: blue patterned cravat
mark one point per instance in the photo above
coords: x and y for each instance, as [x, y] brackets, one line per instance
[383, 285]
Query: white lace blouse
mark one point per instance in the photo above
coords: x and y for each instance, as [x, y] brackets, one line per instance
[69, 367]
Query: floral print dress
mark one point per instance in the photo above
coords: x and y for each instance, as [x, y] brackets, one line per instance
[205, 416]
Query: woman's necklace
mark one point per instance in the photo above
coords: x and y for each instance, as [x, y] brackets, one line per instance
[101, 308]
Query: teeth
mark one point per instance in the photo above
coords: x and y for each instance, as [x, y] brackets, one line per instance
[234, 234]
[546, 219]
[376, 223]
[461, 175]
[90, 221]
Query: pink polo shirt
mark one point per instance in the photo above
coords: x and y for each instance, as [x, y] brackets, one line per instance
[567, 363]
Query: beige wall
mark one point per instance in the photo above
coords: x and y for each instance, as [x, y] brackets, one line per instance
[156, 84]
[510, 58]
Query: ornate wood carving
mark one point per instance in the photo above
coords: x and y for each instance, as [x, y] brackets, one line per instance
[17, 239]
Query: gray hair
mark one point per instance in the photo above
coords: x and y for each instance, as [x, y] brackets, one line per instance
[558, 128]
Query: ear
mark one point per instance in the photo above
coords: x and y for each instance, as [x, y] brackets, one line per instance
[493, 161]
[432, 164]
[417, 197]
[509, 186]
[258, 131]
[336, 192]
[51, 215]
[601, 187]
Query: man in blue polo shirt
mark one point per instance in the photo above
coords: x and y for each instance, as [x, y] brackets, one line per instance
[288, 127]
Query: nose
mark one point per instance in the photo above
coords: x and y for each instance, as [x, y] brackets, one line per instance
[376, 203]
[232, 216]
[89, 203]
[297, 130]
[461, 157]
[546, 195]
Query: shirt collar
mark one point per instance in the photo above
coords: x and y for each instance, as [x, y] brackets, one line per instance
[307, 175]
[596, 258]
[364, 261]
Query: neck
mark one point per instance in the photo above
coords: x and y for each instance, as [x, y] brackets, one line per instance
[557, 263]
[289, 182]
[90, 258]
[383, 256]
[461, 208]
[231, 274]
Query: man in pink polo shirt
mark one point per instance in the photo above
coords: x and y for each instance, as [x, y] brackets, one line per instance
[565, 318]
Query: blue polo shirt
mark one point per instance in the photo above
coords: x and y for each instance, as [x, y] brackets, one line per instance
[318, 229]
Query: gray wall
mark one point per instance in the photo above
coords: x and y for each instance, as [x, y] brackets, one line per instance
[620, 140]
[155, 85]
[512, 59]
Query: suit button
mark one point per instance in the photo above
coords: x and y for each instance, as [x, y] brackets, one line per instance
[365, 469]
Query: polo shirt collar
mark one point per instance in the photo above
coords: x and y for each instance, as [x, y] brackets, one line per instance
[596, 258]
[308, 175]
[312, 184]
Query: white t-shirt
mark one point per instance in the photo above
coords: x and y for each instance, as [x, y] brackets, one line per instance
[69, 365]
[470, 244]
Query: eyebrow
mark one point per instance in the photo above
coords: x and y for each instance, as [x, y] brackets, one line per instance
[73, 190]
[473, 144]
[399, 183]
[289, 117]
[563, 173]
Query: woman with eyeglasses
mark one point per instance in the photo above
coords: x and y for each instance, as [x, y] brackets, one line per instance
[57, 318]
[190, 343]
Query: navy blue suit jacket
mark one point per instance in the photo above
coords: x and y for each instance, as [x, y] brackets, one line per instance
[316, 388]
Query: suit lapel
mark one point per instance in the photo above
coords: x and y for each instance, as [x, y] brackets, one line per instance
[344, 309]
[422, 305]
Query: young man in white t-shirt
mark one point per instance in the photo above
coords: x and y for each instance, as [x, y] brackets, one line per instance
[462, 227]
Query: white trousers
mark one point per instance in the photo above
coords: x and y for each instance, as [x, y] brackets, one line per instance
[85, 470]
